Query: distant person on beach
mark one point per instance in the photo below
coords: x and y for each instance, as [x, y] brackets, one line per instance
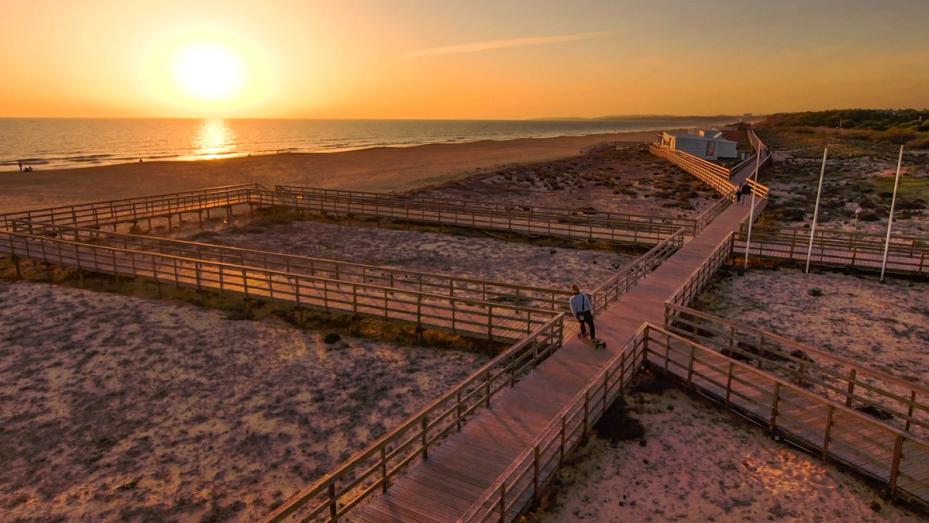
[583, 310]
[20, 162]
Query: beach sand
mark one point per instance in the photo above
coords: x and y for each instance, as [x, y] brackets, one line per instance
[115, 408]
[885, 326]
[464, 256]
[701, 463]
[620, 178]
[376, 169]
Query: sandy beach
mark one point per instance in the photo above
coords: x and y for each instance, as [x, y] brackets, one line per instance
[698, 462]
[118, 408]
[467, 256]
[885, 326]
[376, 169]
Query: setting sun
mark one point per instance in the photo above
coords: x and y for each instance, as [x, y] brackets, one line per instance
[208, 71]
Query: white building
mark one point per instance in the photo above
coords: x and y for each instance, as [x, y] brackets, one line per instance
[707, 144]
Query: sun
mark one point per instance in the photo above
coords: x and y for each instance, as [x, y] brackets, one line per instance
[208, 72]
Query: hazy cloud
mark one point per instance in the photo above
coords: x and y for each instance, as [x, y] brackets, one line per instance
[489, 45]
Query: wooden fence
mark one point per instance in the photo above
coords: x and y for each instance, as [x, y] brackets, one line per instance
[898, 402]
[714, 175]
[514, 220]
[697, 280]
[130, 210]
[428, 282]
[631, 273]
[896, 458]
[492, 321]
[526, 478]
[483, 206]
[838, 249]
[371, 469]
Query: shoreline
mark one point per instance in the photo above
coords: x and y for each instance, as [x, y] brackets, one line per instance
[381, 168]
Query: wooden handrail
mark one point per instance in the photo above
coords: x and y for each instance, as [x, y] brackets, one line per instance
[606, 379]
[550, 297]
[862, 459]
[68, 211]
[526, 315]
[483, 205]
[794, 344]
[501, 365]
[635, 270]
[884, 391]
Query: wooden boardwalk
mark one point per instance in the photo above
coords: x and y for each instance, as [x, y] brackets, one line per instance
[485, 448]
[458, 472]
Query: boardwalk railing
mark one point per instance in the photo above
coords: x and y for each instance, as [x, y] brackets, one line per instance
[685, 294]
[899, 402]
[112, 212]
[483, 206]
[560, 223]
[487, 320]
[716, 176]
[372, 469]
[433, 283]
[527, 476]
[870, 446]
[838, 249]
[712, 212]
[631, 273]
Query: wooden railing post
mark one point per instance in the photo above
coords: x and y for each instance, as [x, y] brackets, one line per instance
[828, 431]
[535, 473]
[333, 502]
[503, 502]
[851, 388]
[895, 464]
[586, 409]
[425, 437]
[772, 424]
[384, 483]
[909, 410]
[729, 383]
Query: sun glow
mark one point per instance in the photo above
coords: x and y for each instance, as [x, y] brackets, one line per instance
[208, 71]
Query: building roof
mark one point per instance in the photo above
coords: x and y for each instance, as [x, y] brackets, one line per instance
[702, 134]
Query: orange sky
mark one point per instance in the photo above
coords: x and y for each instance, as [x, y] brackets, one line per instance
[479, 59]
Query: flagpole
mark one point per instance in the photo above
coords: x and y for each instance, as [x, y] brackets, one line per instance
[890, 219]
[751, 216]
[819, 191]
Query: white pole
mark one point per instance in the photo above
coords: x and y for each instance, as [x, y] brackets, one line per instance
[751, 215]
[890, 219]
[819, 191]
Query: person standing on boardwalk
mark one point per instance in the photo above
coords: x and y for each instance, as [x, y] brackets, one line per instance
[583, 310]
[738, 193]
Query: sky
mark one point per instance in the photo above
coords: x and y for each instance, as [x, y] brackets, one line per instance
[475, 59]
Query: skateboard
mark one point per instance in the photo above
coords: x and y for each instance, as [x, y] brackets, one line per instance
[599, 344]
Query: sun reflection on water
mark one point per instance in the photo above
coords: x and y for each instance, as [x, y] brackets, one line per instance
[214, 139]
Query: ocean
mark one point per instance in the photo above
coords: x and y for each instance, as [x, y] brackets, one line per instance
[51, 143]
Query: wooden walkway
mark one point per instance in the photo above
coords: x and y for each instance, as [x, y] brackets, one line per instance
[458, 472]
